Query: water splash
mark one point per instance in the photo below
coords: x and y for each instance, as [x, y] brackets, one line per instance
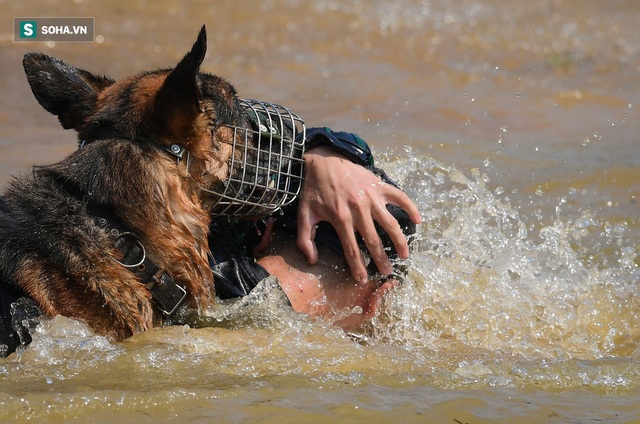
[484, 283]
[482, 280]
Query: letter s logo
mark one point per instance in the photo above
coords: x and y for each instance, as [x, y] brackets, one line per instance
[28, 29]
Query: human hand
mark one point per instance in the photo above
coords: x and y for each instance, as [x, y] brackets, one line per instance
[351, 198]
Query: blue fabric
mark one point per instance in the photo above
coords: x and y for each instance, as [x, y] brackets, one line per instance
[349, 144]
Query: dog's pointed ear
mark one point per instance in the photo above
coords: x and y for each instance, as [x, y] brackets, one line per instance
[64, 90]
[179, 93]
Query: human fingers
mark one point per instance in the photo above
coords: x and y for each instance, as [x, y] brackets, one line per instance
[351, 250]
[306, 236]
[398, 197]
[393, 229]
[367, 230]
[265, 240]
[390, 223]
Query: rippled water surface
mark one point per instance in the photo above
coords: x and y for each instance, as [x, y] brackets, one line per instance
[513, 125]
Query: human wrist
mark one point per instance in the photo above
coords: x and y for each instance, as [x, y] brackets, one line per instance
[322, 151]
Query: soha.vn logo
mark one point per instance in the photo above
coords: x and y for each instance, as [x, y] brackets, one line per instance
[53, 29]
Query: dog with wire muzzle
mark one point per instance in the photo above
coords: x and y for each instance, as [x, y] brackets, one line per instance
[120, 233]
[266, 172]
[116, 233]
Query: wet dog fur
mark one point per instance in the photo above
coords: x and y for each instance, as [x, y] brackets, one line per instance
[51, 248]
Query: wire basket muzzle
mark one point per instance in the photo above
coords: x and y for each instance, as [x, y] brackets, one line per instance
[266, 165]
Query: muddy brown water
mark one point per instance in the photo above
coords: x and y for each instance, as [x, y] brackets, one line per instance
[514, 126]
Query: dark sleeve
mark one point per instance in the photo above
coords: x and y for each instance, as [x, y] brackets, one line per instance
[237, 276]
[349, 144]
[235, 272]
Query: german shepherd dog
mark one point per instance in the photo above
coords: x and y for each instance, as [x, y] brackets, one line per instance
[116, 233]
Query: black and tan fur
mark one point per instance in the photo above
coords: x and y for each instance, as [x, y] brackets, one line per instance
[51, 248]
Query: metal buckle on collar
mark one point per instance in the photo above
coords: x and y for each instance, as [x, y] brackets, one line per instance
[266, 167]
[176, 150]
[136, 243]
[167, 294]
